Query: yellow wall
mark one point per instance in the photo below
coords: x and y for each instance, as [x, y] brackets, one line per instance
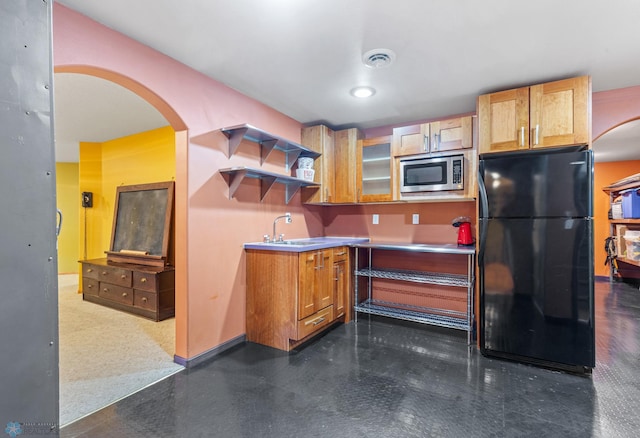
[137, 159]
[68, 202]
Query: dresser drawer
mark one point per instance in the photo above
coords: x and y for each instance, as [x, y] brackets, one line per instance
[145, 300]
[91, 271]
[314, 322]
[145, 281]
[116, 293]
[90, 286]
[113, 275]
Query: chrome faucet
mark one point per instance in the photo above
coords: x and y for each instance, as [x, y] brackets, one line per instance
[287, 216]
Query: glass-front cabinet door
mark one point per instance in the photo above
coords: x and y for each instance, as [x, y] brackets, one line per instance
[375, 170]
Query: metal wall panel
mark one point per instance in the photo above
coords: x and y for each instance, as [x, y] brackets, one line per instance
[28, 259]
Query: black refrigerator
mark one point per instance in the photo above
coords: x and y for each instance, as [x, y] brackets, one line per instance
[536, 257]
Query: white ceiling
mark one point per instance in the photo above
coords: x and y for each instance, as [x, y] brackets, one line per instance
[302, 57]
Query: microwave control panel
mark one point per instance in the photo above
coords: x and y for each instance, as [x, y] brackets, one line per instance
[457, 171]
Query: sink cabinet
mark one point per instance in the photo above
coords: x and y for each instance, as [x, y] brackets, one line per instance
[292, 296]
[341, 282]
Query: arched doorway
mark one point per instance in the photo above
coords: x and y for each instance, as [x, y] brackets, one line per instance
[180, 140]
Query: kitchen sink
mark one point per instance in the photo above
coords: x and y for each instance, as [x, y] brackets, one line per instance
[294, 242]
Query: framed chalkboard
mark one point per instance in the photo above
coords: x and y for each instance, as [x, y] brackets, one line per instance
[141, 223]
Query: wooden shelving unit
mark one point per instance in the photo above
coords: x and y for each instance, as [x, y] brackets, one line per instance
[629, 267]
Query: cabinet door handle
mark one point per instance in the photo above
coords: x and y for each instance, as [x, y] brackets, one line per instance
[124, 294]
[143, 280]
[89, 286]
[341, 253]
[89, 270]
[436, 142]
[426, 143]
[522, 136]
[536, 135]
[106, 289]
[123, 276]
[104, 272]
[336, 269]
[144, 299]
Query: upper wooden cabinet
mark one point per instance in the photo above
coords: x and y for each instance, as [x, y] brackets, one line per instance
[451, 134]
[345, 161]
[411, 140]
[334, 169]
[375, 175]
[546, 115]
[438, 136]
[320, 139]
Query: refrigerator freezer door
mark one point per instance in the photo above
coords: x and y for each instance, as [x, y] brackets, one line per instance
[536, 285]
[538, 184]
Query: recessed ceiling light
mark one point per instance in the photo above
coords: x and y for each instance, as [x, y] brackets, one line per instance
[378, 58]
[363, 92]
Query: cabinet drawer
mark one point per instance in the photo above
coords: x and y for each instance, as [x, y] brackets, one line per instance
[145, 281]
[113, 275]
[315, 322]
[116, 293]
[340, 254]
[90, 286]
[91, 271]
[145, 300]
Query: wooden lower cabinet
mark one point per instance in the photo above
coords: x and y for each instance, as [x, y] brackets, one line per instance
[293, 296]
[146, 291]
[341, 283]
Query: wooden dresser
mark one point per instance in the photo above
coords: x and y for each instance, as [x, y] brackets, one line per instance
[148, 291]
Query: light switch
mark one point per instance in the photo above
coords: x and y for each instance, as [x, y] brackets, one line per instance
[416, 219]
[376, 219]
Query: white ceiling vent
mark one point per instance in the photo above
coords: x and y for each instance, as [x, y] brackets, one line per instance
[378, 58]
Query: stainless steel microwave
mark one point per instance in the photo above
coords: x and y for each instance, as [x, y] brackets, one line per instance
[431, 174]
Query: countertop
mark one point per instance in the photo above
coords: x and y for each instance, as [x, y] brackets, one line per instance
[315, 243]
[447, 248]
[306, 244]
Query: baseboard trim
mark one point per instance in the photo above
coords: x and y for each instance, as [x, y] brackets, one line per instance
[204, 356]
[601, 278]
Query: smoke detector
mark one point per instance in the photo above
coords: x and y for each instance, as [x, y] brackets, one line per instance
[378, 58]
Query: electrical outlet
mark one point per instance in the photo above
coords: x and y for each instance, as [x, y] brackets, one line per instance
[288, 218]
[376, 219]
[416, 219]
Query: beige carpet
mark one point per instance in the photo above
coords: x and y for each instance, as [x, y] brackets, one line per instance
[106, 354]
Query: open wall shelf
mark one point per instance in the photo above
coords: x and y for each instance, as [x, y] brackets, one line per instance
[267, 142]
[235, 175]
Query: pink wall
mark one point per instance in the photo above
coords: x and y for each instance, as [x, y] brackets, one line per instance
[210, 228]
[613, 108]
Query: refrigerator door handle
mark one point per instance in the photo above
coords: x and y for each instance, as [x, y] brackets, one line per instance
[483, 213]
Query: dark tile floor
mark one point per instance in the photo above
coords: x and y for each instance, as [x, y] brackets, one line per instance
[385, 378]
